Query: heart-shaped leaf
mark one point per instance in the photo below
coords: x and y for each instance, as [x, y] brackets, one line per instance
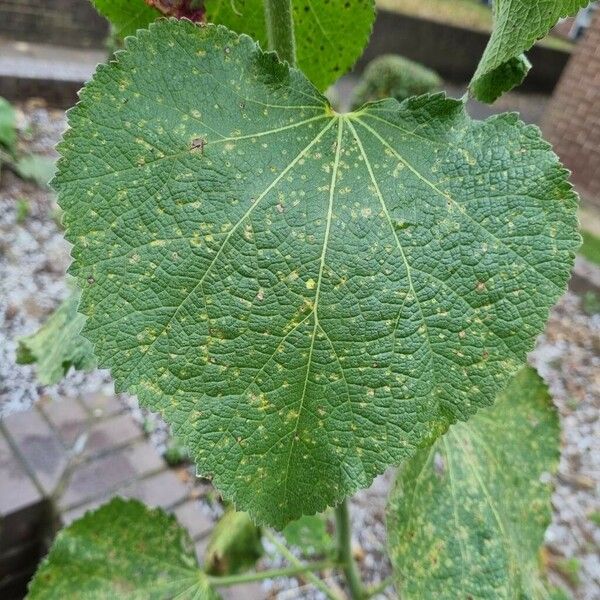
[330, 34]
[518, 24]
[466, 518]
[306, 297]
[121, 550]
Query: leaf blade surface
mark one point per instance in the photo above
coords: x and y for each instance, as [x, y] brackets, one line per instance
[122, 550]
[468, 516]
[322, 52]
[306, 297]
[518, 24]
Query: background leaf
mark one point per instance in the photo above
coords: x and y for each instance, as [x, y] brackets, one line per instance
[330, 35]
[309, 534]
[36, 167]
[467, 517]
[306, 297]
[234, 545]
[58, 345]
[8, 125]
[518, 24]
[127, 16]
[121, 550]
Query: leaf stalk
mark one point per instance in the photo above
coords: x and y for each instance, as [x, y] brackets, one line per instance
[228, 580]
[343, 532]
[280, 29]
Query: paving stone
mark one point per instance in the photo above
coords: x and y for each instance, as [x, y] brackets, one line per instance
[18, 489]
[163, 489]
[248, 591]
[66, 518]
[67, 416]
[97, 478]
[193, 519]
[111, 433]
[102, 405]
[40, 447]
[23, 510]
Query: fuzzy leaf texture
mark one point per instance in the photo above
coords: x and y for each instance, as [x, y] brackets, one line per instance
[467, 517]
[58, 345]
[306, 297]
[518, 24]
[121, 550]
[127, 16]
[330, 35]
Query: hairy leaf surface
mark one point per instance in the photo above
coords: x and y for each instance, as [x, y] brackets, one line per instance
[122, 550]
[127, 16]
[58, 345]
[518, 24]
[467, 517]
[330, 35]
[307, 297]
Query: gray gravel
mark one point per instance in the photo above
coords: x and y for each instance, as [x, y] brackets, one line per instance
[34, 257]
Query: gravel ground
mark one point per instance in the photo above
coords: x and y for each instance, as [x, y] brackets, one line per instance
[33, 260]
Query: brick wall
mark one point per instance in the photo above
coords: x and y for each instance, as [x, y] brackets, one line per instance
[572, 120]
[64, 22]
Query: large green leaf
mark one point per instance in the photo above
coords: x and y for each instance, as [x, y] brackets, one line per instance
[58, 345]
[306, 297]
[121, 550]
[127, 16]
[330, 35]
[517, 26]
[467, 517]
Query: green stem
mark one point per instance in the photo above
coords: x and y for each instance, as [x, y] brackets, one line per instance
[280, 29]
[343, 532]
[318, 583]
[228, 580]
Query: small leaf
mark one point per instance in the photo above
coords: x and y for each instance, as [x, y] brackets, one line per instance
[127, 16]
[467, 517]
[518, 24]
[58, 345]
[306, 297]
[234, 546]
[394, 76]
[121, 550]
[309, 533]
[36, 167]
[330, 34]
[489, 87]
[8, 125]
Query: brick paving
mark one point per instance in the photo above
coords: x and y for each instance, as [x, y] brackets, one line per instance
[63, 458]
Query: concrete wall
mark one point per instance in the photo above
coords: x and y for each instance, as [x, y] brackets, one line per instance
[64, 22]
[453, 51]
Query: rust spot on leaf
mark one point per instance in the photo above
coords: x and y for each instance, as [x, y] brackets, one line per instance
[198, 144]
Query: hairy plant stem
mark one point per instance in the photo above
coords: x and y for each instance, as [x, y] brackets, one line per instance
[280, 29]
[343, 533]
[318, 583]
[227, 580]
